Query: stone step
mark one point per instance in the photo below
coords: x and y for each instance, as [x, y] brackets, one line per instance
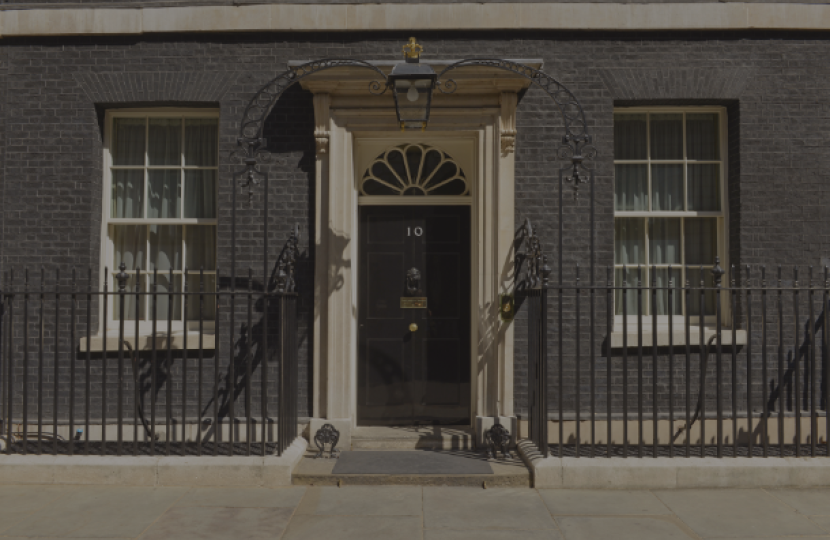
[412, 437]
[510, 472]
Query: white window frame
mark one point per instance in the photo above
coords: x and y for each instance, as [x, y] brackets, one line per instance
[722, 224]
[107, 244]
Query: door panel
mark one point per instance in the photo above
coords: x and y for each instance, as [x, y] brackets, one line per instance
[419, 376]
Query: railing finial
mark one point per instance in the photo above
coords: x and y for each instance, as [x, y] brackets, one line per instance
[122, 277]
[717, 273]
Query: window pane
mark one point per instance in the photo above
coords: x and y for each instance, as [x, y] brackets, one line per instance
[629, 241]
[129, 243]
[201, 142]
[128, 141]
[626, 278]
[201, 247]
[165, 141]
[666, 136]
[630, 136]
[208, 302]
[704, 187]
[665, 279]
[630, 187]
[164, 193]
[664, 241]
[127, 194]
[130, 299]
[165, 247]
[200, 193]
[163, 287]
[667, 187]
[702, 136]
[701, 237]
[693, 307]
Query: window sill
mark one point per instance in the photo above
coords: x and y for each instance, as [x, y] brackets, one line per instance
[678, 337]
[145, 342]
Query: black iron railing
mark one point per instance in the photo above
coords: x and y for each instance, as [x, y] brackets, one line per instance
[140, 370]
[710, 368]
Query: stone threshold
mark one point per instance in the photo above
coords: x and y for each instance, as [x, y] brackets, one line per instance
[673, 473]
[190, 471]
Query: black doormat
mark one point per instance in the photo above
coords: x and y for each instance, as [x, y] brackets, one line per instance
[410, 462]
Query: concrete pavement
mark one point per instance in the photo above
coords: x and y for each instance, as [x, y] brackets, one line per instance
[410, 512]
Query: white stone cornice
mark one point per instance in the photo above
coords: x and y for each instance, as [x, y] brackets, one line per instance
[414, 17]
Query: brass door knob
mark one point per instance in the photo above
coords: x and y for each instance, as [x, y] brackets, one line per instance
[413, 327]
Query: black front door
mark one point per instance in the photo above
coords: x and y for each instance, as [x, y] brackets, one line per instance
[414, 360]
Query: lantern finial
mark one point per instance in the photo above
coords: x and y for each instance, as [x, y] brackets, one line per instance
[412, 50]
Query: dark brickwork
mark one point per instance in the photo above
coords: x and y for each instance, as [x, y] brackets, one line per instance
[775, 89]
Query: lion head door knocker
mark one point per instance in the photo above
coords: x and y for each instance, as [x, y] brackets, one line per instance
[413, 282]
[327, 435]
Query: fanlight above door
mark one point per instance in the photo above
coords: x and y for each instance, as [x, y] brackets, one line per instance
[414, 169]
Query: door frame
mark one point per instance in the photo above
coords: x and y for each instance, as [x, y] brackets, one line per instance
[338, 133]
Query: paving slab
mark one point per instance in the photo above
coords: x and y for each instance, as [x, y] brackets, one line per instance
[620, 528]
[363, 501]
[17, 502]
[728, 513]
[285, 497]
[98, 512]
[602, 502]
[198, 523]
[308, 527]
[812, 502]
[476, 508]
[822, 521]
[446, 534]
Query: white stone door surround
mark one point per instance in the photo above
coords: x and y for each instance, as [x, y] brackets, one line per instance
[478, 123]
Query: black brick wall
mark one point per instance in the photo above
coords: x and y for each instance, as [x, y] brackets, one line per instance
[54, 92]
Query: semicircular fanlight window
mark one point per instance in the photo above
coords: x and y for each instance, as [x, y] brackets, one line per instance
[414, 169]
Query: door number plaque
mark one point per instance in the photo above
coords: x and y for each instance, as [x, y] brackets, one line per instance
[413, 302]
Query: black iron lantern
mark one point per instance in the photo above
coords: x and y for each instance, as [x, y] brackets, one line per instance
[412, 85]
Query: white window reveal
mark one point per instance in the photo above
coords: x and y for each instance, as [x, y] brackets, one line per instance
[160, 213]
[669, 204]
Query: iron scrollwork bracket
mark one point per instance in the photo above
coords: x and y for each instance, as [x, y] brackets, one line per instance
[251, 153]
[327, 435]
[531, 262]
[287, 263]
[498, 438]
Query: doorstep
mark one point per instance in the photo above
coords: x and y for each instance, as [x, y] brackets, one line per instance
[673, 473]
[220, 471]
[506, 472]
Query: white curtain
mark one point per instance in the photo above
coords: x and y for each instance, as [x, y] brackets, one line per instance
[201, 142]
[702, 137]
[629, 249]
[128, 141]
[704, 187]
[130, 244]
[630, 136]
[200, 193]
[127, 193]
[630, 187]
[667, 188]
[666, 136]
[200, 243]
[164, 193]
[165, 141]
[200, 150]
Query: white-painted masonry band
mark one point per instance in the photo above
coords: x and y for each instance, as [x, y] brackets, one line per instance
[414, 17]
